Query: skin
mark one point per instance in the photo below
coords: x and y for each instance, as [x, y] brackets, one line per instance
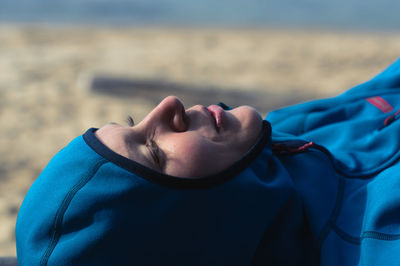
[185, 143]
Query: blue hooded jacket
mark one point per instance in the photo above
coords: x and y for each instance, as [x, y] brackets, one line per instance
[319, 188]
[91, 206]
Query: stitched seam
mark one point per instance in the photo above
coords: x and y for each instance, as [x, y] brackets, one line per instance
[346, 237]
[365, 235]
[332, 219]
[58, 219]
[380, 236]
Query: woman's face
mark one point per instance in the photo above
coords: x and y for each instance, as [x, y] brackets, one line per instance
[195, 142]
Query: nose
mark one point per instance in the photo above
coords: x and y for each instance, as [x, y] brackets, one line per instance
[169, 113]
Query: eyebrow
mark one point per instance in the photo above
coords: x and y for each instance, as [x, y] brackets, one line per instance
[130, 121]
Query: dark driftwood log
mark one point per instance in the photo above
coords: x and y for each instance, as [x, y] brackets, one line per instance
[8, 261]
[155, 90]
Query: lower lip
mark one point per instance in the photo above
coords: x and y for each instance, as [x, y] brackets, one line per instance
[218, 113]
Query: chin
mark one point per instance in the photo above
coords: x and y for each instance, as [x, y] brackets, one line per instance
[249, 117]
[251, 123]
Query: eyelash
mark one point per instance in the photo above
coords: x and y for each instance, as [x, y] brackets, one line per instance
[154, 152]
[151, 144]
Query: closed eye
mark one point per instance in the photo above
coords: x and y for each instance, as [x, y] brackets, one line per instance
[156, 154]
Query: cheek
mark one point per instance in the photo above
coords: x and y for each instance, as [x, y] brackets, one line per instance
[190, 157]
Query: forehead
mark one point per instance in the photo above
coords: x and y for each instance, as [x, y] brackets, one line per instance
[124, 141]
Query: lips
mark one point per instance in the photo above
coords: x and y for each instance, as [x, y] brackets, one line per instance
[218, 114]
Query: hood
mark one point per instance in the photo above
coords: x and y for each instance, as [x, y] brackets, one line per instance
[91, 206]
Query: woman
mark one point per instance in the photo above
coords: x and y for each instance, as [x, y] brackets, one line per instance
[208, 186]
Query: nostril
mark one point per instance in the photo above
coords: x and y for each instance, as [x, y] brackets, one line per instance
[178, 122]
[172, 108]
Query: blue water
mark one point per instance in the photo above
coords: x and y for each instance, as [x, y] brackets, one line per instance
[382, 15]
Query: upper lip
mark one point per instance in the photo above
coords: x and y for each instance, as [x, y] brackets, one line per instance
[212, 118]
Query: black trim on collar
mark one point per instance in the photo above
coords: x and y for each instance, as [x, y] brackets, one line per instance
[179, 182]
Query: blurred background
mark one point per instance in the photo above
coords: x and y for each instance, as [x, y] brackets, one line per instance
[66, 66]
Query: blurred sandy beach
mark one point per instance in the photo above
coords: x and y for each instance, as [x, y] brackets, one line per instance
[46, 72]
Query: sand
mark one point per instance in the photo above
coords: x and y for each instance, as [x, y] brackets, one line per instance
[45, 75]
